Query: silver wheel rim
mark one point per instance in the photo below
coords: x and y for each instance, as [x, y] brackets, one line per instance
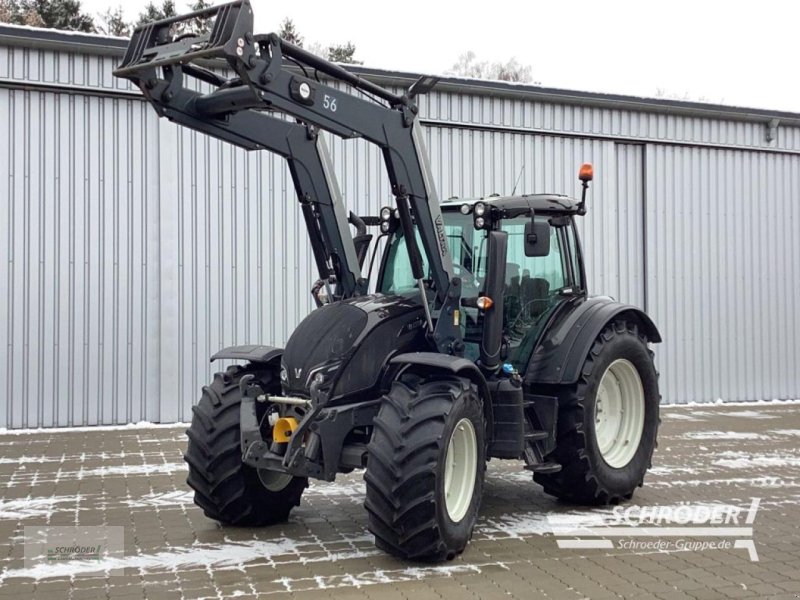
[619, 413]
[274, 481]
[460, 467]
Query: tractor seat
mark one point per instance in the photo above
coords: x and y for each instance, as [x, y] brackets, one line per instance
[534, 295]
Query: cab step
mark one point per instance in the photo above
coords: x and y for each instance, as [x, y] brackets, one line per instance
[547, 467]
[533, 436]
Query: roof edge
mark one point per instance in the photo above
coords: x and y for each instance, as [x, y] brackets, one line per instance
[51, 39]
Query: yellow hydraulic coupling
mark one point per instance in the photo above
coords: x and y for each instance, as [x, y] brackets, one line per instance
[283, 429]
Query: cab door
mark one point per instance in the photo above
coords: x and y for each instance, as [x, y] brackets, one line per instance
[536, 286]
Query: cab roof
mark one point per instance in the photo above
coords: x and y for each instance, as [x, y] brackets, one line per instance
[539, 203]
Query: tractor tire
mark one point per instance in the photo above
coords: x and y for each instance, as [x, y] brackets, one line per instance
[429, 438]
[607, 422]
[228, 490]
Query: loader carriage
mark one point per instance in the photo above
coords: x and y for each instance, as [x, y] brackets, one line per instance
[479, 341]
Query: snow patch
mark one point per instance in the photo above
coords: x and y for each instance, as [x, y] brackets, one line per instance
[356, 490]
[746, 460]
[789, 432]
[381, 576]
[128, 427]
[513, 526]
[126, 470]
[82, 458]
[27, 508]
[65, 32]
[758, 482]
[663, 470]
[720, 402]
[176, 498]
[724, 435]
[681, 417]
[749, 414]
[229, 555]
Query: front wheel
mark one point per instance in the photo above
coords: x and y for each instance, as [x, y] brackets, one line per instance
[225, 488]
[608, 422]
[425, 469]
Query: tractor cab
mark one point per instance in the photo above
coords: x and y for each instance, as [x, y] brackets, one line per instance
[543, 266]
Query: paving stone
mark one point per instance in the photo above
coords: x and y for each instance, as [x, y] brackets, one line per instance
[134, 478]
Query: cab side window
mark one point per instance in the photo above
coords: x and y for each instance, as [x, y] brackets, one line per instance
[533, 286]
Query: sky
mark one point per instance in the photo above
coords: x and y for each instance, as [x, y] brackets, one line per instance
[736, 53]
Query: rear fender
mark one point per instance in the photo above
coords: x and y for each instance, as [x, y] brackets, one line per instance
[561, 352]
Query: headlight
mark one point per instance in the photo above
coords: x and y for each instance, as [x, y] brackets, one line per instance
[386, 213]
[479, 209]
[323, 374]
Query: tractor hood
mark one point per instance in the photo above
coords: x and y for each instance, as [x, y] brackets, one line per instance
[345, 344]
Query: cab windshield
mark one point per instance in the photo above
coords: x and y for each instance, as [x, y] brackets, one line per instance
[533, 284]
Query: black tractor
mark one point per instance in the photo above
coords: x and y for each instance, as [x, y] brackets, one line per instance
[479, 340]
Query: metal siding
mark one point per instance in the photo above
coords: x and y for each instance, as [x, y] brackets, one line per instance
[76, 318]
[722, 272]
[132, 249]
[629, 201]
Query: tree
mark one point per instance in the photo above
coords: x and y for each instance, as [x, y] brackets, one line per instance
[56, 14]
[343, 53]
[63, 14]
[666, 94]
[31, 18]
[511, 71]
[468, 66]
[200, 25]
[317, 48]
[7, 12]
[289, 32]
[112, 22]
[152, 12]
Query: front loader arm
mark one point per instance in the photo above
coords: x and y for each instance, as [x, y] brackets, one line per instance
[394, 128]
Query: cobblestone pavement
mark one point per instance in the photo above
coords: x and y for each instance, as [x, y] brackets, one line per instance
[134, 477]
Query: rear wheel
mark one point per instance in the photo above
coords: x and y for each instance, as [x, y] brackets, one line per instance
[608, 422]
[225, 488]
[426, 466]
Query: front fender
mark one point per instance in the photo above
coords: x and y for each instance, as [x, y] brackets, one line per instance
[560, 354]
[253, 353]
[451, 364]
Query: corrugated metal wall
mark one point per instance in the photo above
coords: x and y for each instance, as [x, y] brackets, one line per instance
[723, 271]
[131, 249]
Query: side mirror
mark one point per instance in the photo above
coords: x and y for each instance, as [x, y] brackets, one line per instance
[537, 238]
